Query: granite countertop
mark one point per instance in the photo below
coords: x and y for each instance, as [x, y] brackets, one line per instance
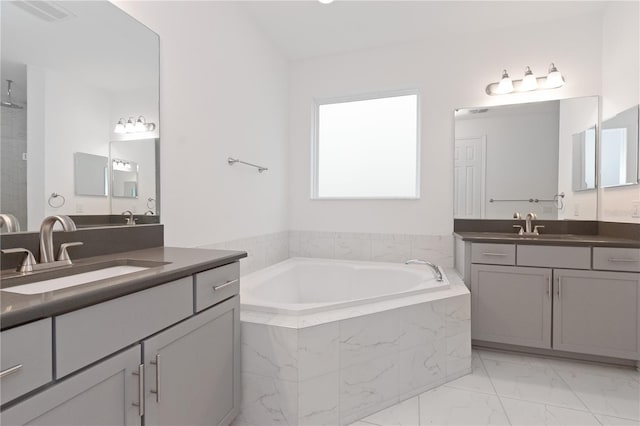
[548, 239]
[18, 309]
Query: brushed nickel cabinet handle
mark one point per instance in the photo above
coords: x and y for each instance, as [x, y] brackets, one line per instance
[549, 285]
[495, 254]
[140, 404]
[227, 284]
[156, 362]
[10, 370]
[559, 286]
[613, 259]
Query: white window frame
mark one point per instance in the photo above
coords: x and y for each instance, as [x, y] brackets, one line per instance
[315, 140]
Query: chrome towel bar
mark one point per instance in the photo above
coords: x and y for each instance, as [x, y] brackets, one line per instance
[233, 161]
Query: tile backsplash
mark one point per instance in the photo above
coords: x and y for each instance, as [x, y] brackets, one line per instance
[266, 250]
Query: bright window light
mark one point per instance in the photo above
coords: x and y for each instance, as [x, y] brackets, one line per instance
[367, 148]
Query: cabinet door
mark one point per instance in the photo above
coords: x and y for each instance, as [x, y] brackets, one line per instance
[511, 305]
[597, 313]
[194, 369]
[104, 394]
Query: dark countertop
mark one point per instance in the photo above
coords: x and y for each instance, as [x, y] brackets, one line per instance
[548, 239]
[18, 309]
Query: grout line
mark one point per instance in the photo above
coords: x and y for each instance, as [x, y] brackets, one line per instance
[495, 390]
[571, 389]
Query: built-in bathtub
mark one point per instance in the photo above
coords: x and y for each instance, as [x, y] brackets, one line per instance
[327, 342]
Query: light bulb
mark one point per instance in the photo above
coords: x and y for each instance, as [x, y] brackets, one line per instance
[529, 81]
[506, 85]
[129, 126]
[140, 125]
[554, 78]
[119, 127]
[325, 1]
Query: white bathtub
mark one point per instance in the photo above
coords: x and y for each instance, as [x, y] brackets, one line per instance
[300, 286]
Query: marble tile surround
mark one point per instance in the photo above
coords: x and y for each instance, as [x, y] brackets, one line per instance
[372, 247]
[268, 249]
[340, 371]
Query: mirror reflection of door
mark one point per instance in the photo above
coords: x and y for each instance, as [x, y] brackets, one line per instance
[469, 177]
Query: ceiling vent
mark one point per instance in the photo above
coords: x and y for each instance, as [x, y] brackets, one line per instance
[50, 11]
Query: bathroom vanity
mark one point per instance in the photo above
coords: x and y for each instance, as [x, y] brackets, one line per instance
[157, 346]
[577, 294]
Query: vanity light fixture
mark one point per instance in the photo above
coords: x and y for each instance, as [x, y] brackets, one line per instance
[134, 126]
[530, 82]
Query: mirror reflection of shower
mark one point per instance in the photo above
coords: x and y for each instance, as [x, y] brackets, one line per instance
[13, 146]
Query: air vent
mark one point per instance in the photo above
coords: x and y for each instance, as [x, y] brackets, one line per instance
[50, 11]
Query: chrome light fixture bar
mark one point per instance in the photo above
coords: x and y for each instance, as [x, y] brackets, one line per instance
[134, 126]
[529, 82]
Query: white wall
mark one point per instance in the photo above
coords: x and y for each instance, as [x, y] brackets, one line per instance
[450, 73]
[224, 93]
[620, 90]
[520, 141]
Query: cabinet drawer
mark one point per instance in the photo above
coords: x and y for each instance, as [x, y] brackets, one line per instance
[216, 285]
[26, 358]
[495, 254]
[555, 256]
[89, 334]
[616, 259]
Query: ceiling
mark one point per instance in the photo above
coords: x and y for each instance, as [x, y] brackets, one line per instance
[307, 28]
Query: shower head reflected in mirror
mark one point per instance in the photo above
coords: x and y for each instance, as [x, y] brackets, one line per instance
[9, 102]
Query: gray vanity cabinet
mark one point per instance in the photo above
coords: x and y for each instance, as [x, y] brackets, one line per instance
[597, 313]
[511, 305]
[193, 370]
[104, 394]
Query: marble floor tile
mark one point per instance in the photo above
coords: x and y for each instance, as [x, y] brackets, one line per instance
[406, 413]
[477, 381]
[610, 395]
[450, 406]
[511, 357]
[537, 383]
[523, 413]
[616, 421]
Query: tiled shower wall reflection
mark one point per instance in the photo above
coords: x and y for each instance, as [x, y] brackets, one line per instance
[268, 249]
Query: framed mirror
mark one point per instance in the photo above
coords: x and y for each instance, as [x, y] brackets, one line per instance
[619, 149]
[83, 74]
[536, 157]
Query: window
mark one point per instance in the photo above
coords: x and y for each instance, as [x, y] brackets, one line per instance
[367, 148]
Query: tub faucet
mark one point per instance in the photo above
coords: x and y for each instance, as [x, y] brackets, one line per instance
[46, 235]
[10, 222]
[436, 268]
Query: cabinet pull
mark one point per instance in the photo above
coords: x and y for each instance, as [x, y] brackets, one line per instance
[495, 254]
[559, 286]
[140, 404]
[613, 259]
[10, 370]
[156, 362]
[227, 284]
[549, 285]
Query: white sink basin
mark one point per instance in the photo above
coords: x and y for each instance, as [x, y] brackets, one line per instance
[73, 280]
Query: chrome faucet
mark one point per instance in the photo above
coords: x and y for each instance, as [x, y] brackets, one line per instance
[129, 220]
[10, 222]
[436, 269]
[46, 235]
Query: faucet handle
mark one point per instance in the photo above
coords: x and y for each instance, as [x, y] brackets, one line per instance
[63, 254]
[517, 215]
[521, 229]
[535, 229]
[27, 262]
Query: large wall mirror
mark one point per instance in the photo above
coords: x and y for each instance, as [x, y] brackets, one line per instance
[537, 157]
[619, 149]
[80, 86]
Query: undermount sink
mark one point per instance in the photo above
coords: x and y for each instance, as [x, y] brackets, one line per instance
[74, 275]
